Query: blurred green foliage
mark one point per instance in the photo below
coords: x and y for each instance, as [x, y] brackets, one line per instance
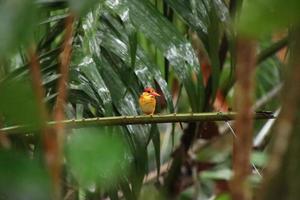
[150, 192]
[260, 18]
[18, 104]
[97, 156]
[23, 178]
[82, 7]
[224, 197]
[17, 23]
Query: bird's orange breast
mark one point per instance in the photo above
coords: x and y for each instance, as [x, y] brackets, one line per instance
[147, 104]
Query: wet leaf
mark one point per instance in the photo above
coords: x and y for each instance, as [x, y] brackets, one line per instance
[144, 70]
[104, 74]
[165, 36]
[132, 46]
[194, 14]
[214, 36]
[176, 49]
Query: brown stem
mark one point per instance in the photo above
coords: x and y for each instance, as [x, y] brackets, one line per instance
[58, 112]
[48, 136]
[4, 140]
[279, 172]
[36, 77]
[65, 58]
[242, 146]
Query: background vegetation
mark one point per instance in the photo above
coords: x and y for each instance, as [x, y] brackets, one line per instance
[79, 59]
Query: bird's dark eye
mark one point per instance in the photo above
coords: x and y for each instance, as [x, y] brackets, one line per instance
[148, 91]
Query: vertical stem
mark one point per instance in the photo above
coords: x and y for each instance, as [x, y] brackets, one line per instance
[48, 136]
[244, 92]
[4, 140]
[59, 113]
[279, 172]
[64, 71]
[36, 78]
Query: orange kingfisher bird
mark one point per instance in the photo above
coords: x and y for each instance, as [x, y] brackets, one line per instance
[147, 100]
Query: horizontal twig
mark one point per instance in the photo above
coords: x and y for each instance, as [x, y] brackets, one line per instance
[140, 119]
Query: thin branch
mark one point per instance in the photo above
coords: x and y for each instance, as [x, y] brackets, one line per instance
[141, 119]
[258, 104]
[152, 176]
[268, 97]
[260, 138]
[235, 137]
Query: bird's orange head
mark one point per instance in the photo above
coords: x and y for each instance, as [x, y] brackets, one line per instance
[151, 91]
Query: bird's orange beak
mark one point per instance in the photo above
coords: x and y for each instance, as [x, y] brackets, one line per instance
[155, 94]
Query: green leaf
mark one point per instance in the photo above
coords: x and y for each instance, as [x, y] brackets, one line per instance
[209, 19]
[257, 17]
[224, 196]
[222, 174]
[56, 4]
[259, 158]
[218, 151]
[197, 14]
[214, 36]
[22, 178]
[53, 35]
[97, 156]
[175, 47]
[126, 190]
[123, 100]
[88, 81]
[133, 46]
[150, 192]
[144, 70]
[114, 61]
[97, 61]
[82, 91]
[82, 7]
[155, 138]
[54, 18]
[18, 103]
[17, 20]
[194, 14]
[267, 75]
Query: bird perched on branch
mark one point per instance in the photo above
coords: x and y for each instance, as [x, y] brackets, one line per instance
[147, 100]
